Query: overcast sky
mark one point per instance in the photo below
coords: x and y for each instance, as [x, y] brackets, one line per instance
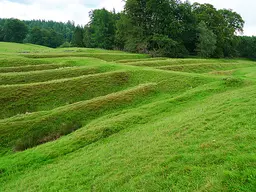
[77, 10]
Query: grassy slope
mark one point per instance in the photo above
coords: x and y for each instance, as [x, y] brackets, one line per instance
[204, 68]
[155, 130]
[46, 75]
[8, 48]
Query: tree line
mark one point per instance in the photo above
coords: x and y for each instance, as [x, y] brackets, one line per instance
[170, 28]
[48, 33]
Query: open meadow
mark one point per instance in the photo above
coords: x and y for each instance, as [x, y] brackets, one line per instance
[78, 119]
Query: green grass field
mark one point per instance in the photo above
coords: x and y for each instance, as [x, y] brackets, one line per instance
[95, 120]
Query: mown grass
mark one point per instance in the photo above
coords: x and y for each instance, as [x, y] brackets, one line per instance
[20, 61]
[186, 62]
[206, 68]
[131, 127]
[102, 56]
[141, 60]
[47, 75]
[7, 48]
[164, 141]
[19, 135]
[32, 68]
[86, 50]
[167, 62]
[246, 73]
[166, 87]
[102, 105]
[26, 98]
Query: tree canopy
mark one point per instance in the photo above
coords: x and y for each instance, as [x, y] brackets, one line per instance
[41, 32]
[206, 41]
[13, 30]
[166, 28]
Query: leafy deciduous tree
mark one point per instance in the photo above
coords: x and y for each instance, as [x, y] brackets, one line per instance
[77, 39]
[206, 41]
[14, 30]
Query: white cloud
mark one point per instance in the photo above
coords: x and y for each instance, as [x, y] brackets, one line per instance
[58, 10]
[108, 4]
[77, 10]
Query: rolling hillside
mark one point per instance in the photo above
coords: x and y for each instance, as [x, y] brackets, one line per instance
[95, 120]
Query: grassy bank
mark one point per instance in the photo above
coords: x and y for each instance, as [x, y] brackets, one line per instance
[95, 120]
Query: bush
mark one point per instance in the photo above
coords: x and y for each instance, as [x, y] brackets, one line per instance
[233, 82]
[163, 46]
[65, 45]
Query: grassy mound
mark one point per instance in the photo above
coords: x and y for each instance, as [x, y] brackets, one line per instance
[32, 68]
[169, 62]
[79, 119]
[142, 60]
[20, 61]
[30, 130]
[102, 56]
[47, 75]
[21, 48]
[177, 142]
[26, 98]
[205, 68]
